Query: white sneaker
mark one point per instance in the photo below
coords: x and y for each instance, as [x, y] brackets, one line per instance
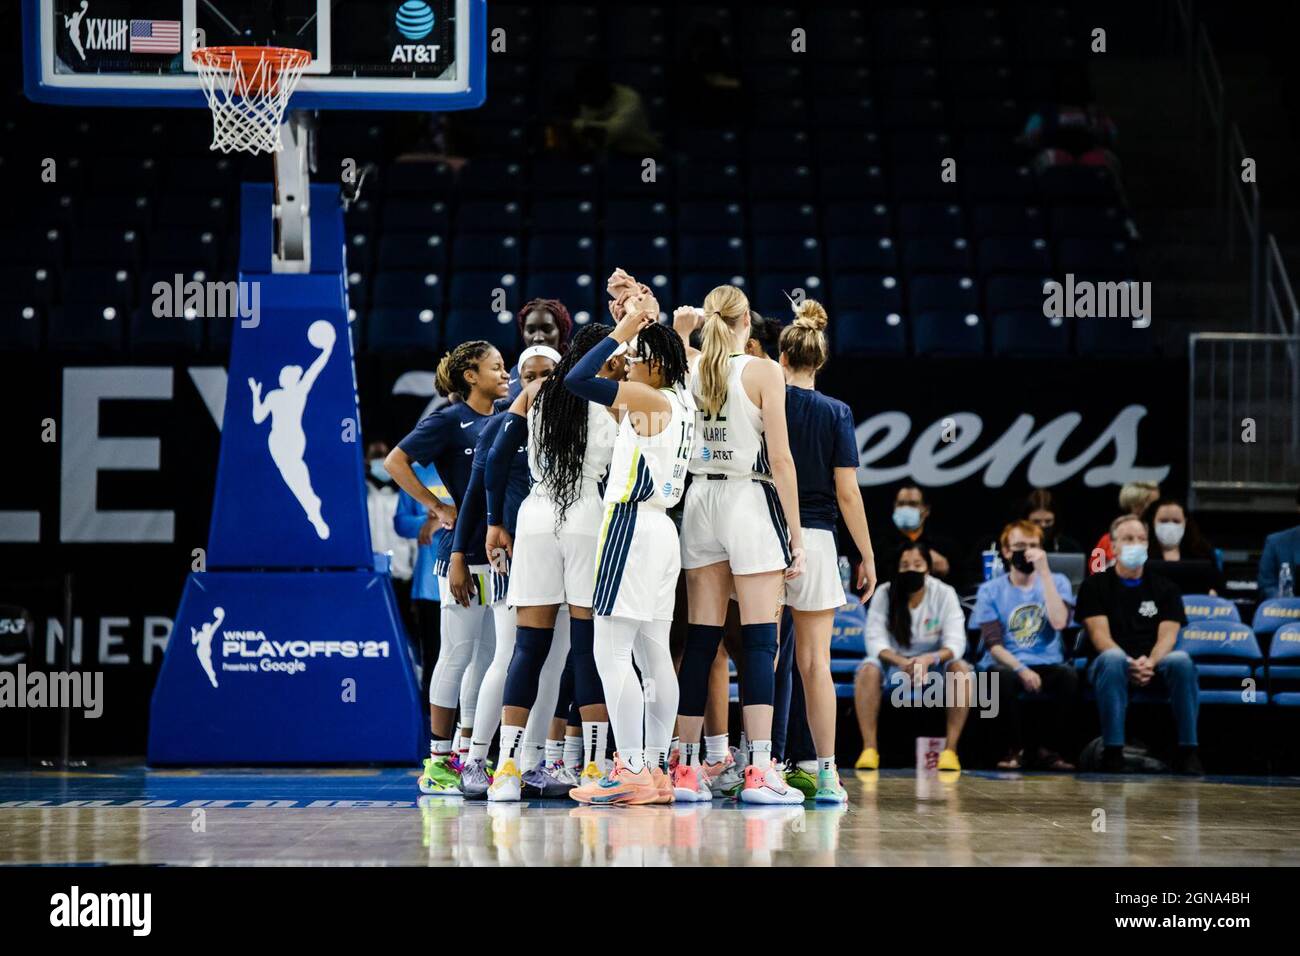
[768, 787]
[506, 784]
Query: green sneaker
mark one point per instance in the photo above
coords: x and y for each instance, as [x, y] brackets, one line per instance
[829, 789]
[802, 781]
[440, 776]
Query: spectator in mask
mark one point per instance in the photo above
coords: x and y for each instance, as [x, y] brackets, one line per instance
[1040, 508]
[1174, 536]
[911, 523]
[915, 627]
[1020, 615]
[1282, 547]
[1133, 500]
[413, 523]
[1132, 619]
[381, 506]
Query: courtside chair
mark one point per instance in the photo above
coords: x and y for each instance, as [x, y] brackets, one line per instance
[128, 211]
[714, 145]
[1209, 607]
[1284, 666]
[782, 181]
[1226, 655]
[32, 245]
[921, 183]
[791, 146]
[998, 184]
[27, 285]
[150, 334]
[1078, 185]
[414, 287]
[919, 148]
[838, 146]
[86, 327]
[706, 180]
[861, 180]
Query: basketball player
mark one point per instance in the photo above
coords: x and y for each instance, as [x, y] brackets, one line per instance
[553, 554]
[741, 534]
[474, 375]
[638, 558]
[825, 450]
[471, 566]
[541, 322]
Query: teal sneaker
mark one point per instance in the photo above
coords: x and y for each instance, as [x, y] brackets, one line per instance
[440, 777]
[802, 781]
[829, 789]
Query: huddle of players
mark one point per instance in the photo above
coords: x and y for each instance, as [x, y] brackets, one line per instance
[573, 522]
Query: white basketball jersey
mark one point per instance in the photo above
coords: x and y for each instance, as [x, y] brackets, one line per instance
[652, 469]
[601, 433]
[730, 442]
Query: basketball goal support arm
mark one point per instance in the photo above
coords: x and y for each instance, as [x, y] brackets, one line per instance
[292, 211]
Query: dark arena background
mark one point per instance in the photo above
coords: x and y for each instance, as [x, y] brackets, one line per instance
[1057, 243]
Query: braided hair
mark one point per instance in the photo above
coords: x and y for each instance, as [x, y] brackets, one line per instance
[563, 321]
[662, 346]
[451, 370]
[560, 428]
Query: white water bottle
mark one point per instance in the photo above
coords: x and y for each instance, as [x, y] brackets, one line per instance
[1286, 581]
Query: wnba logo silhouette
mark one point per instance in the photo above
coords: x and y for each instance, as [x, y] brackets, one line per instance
[287, 442]
[202, 641]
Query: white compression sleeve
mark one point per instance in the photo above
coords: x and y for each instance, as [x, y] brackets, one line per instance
[614, 637]
[655, 661]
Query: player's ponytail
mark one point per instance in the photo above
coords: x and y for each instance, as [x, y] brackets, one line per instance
[724, 308]
[803, 342]
[450, 377]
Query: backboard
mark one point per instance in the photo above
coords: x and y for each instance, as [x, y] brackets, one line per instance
[366, 54]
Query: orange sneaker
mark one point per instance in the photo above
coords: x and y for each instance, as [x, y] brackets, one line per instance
[665, 785]
[623, 787]
[689, 785]
[590, 783]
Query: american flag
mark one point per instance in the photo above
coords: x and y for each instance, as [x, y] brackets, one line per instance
[155, 36]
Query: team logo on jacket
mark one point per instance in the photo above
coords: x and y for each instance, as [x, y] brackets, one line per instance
[1147, 609]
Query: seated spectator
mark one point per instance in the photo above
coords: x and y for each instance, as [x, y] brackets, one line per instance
[1040, 508]
[1072, 130]
[915, 627]
[911, 523]
[1281, 547]
[381, 505]
[611, 117]
[1174, 536]
[1021, 615]
[1132, 620]
[1134, 497]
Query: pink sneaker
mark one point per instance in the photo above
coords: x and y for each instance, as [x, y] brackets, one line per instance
[722, 777]
[622, 788]
[689, 785]
[768, 787]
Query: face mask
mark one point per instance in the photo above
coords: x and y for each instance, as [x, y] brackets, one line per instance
[1133, 555]
[379, 472]
[1170, 533]
[909, 582]
[1021, 563]
[907, 518]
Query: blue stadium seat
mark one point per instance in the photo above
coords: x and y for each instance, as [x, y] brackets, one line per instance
[937, 255]
[652, 217]
[403, 250]
[1027, 334]
[1284, 666]
[98, 287]
[781, 181]
[551, 252]
[788, 253]
[563, 177]
[778, 109]
[919, 148]
[923, 183]
[500, 253]
[931, 220]
[1063, 185]
[770, 292]
[997, 184]
[564, 215]
[852, 181]
[863, 146]
[84, 327]
[491, 177]
[151, 333]
[1090, 222]
[792, 146]
[625, 178]
[943, 293]
[1000, 114]
[692, 287]
[496, 216]
[701, 253]
[408, 288]
[27, 285]
[913, 112]
[1112, 337]
[201, 212]
[105, 246]
[710, 181]
[185, 248]
[581, 292]
[1226, 654]
[861, 333]
[416, 215]
[1208, 607]
[1014, 294]
[861, 254]
[1273, 613]
[398, 330]
[948, 334]
[718, 145]
[134, 210]
[465, 324]
[479, 290]
[22, 327]
[858, 219]
[1014, 255]
[32, 245]
[784, 217]
[1108, 257]
[877, 297]
[419, 179]
[718, 218]
[638, 254]
[1007, 219]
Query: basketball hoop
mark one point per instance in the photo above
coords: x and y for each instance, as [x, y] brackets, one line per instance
[248, 88]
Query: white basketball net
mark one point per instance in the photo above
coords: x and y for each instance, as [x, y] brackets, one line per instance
[248, 96]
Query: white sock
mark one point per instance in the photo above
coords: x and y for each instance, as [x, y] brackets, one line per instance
[657, 757]
[634, 760]
[690, 755]
[531, 753]
[511, 737]
[715, 748]
[439, 748]
[745, 749]
[554, 753]
[595, 742]
[812, 766]
[479, 751]
[760, 754]
[675, 745]
[823, 763]
[464, 742]
[572, 752]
